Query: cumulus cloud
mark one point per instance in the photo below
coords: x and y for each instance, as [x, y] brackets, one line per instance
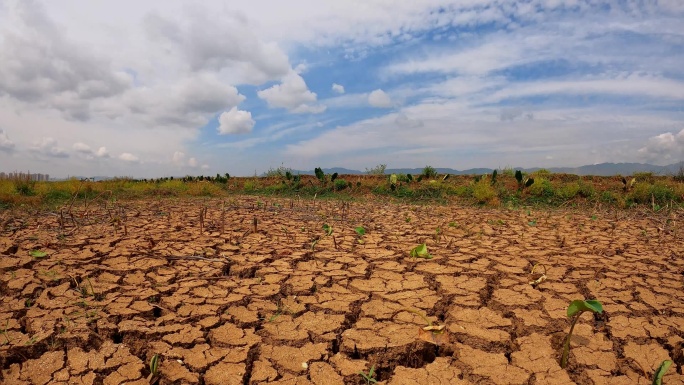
[6, 144]
[102, 152]
[178, 158]
[292, 94]
[220, 41]
[88, 152]
[380, 99]
[38, 65]
[128, 157]
[47, 146]
[235, 122]
[339, 89]
[664, 147]
[187, 103]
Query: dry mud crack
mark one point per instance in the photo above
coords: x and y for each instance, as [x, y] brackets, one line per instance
[253, 291]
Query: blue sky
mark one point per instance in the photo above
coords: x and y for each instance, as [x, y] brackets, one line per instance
[174, 88]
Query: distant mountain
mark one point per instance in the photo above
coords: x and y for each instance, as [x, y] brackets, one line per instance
[601, 169]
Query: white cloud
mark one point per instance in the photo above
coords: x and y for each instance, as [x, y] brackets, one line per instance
[235, 122]
[450, 127]
[40, 67]
[219, 41]
[292, 94]
[88, 152]
[6, 144]
[664, 148]
[47, 146]
[178, 158]
[339, 89]
[380, 99]
[405, 122]
[192, 162]
[188, 103]
[102, 152]
[632, 84]
[205, 167]
[128, 157]
[82, 147]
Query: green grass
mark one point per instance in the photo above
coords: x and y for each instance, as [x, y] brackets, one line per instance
[547, 190]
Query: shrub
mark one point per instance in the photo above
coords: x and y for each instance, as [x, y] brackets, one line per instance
[281, 171]
[341, 184]
[25, 187]
[568, 191]
[679, 174]
[644, 193]
[541, 188]
[644, 177]
[377, 170]
[483, 191]
[429, 172]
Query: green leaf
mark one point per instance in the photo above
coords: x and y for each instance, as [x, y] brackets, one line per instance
[420, 251]
[328, 229]
[37, 254]
[577, 306]
[360, 230]
[660, 373]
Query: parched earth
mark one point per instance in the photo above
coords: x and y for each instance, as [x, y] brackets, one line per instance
[223, 300]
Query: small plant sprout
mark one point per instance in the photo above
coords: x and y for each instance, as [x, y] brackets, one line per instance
[154, 369]
[576, 308]
[360, 231]
[368, 377]
[540, 277]
[420, 251]
[660, 372]
[328, 229]
[38, 254]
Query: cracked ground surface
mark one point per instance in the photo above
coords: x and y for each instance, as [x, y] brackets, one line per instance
[223, 302]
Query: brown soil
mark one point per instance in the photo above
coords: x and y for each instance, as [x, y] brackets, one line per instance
[222, 303]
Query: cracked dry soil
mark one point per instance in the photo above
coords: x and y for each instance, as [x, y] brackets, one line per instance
[222, 303]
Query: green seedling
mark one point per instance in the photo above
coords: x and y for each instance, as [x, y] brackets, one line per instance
[154, 369]
[368, 377]
[420, 251]
[37, 254]
[360, 231]
[328, 229]
[576, 308]
[660, 372]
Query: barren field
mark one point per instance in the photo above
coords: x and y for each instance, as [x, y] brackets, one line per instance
[254, 290]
